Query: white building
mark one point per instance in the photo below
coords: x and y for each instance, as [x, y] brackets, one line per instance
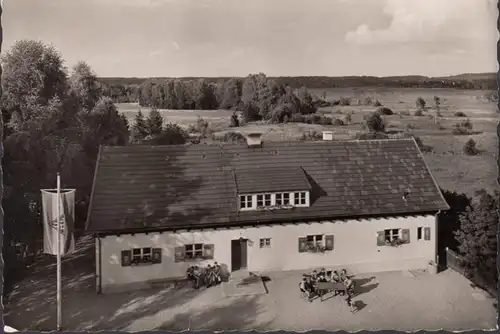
[364, 205]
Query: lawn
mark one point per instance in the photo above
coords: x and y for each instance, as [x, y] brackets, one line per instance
[452, 169]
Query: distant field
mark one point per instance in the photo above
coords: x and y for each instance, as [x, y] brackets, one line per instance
[452, 169]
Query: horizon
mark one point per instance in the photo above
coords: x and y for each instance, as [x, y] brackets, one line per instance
[282, 38]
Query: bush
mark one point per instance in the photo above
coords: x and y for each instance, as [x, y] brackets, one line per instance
[405, 113]
[377, 104]
[470, 147]
[410, 126]
[459, 130]
[384, 111]
[338, 122]
[234, 137]
[418, 113]
[420, 103]
[234, 122]
[368, 101]
[311, 135]
[460, 114]
[371, 135]
[348, 118]
[375, 123]
[345, 101]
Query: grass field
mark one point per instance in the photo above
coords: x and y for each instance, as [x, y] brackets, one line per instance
[452, 169]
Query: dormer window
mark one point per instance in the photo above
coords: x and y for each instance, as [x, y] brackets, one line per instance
[300, 198]
[282, 199]
[246, 202]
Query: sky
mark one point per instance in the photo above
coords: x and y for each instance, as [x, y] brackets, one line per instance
[176, 38]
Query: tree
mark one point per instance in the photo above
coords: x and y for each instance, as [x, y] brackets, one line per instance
[154, 122]
[477, 237]
[139, 129]
[172, 134]
[33, 74]
[234, 121]
[470, 147]
[375, 123]
[420, 103]
[306, 101]
[232, 94]
[84, 86]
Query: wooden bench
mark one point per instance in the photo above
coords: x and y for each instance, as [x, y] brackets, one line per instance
[326, 287]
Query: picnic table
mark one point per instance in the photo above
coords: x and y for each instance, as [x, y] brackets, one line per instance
[326, 287]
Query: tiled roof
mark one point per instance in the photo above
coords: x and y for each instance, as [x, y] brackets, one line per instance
[151, 187]
[256, 179]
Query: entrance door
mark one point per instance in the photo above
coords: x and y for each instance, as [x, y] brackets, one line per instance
[238, 254]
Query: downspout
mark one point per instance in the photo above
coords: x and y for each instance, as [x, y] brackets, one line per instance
[99, 259]
[436, 229]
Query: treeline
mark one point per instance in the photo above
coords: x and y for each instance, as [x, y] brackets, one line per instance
[256, 96]
[127, 89]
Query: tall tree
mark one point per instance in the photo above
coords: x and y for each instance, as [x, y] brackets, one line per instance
[154, 123]
[139, 129]
[85, 86]
[477, 237]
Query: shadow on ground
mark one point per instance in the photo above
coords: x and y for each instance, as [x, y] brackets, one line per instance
[82, 309]
[362, 286]
[237, 313]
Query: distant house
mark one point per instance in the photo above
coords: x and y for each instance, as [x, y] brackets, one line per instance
[363, 205]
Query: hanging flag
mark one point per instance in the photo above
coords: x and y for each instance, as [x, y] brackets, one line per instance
[67, 220]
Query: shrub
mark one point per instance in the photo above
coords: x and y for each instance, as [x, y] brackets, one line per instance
[345, 101]
[418, 112]
[460, 114]
[405, 113]
[234, 122]
[375, 123]
[420, 103]
[410, 126]
[384, 111]
[470, 147]
[371, 135]
[202, 127]
[234, 137]
[311, 135]
[377, 104]
[338, 122]
[338, 112]
[459, 130]
[466, 124]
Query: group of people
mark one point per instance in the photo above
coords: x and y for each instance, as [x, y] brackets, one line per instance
[208, 276]
[309, 284]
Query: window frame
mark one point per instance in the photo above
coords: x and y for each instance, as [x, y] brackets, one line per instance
[247, 199]
[192, 249]
[420, 233]
[141, 255]
[315, 239]
[264, 243]
[300, 198]
[391, 236]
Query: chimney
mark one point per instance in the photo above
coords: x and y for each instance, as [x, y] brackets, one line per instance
[254, 139]
[327, 135]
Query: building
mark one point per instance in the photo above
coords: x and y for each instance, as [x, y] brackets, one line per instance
[363, 205]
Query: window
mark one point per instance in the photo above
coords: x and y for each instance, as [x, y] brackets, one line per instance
[246, 202]
[419, 233]
[267, 200]
[314, 239]
[265, 242]
[282, 199]
[141, 255]
[392, 234]
[194, 251]
[300, 198]
[260, 201]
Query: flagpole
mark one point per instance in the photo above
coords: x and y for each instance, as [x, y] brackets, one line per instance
[58, 241]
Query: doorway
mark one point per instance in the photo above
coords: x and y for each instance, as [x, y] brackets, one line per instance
[238, 254]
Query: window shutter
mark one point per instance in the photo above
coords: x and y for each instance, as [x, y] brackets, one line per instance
[156, 255]
[329, 242]
[302, 245]
[427, 233]
[126, 258]
[405, 235]
[179, 254]
[380, 238]
[208, 252]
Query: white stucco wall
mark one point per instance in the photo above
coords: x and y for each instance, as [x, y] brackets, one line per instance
[355, 248]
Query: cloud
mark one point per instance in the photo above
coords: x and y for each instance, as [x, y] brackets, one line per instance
[423, 20]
